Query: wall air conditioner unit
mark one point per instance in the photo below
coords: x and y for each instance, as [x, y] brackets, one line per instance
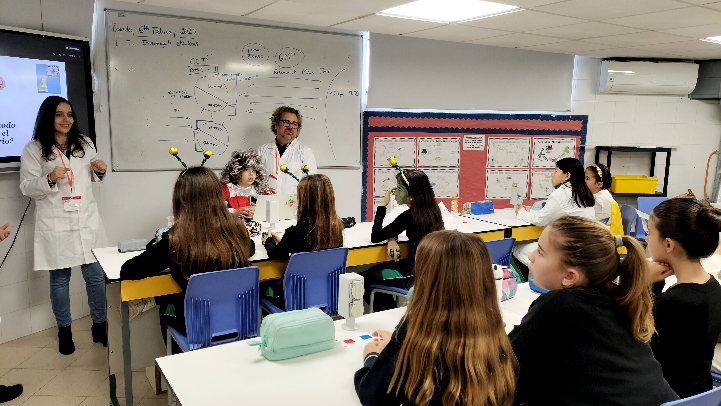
[662, 78]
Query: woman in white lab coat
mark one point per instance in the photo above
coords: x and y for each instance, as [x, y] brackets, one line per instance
[571, 197]
[286, 123]
[56, 170]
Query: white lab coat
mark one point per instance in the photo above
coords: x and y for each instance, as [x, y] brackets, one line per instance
[295, 156]
[559, 203]
[603, 199]
[63, 239]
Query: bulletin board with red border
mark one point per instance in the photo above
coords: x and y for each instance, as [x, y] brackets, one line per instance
[475, 157]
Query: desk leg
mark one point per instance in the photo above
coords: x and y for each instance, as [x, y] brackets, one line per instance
[127, 369]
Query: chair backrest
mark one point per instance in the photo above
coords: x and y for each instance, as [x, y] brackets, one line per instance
[708, 398]
[646, 205]
[628, 215]
[311, 279]
[501, 250]
[222, 303]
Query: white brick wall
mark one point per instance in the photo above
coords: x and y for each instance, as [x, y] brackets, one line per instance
[692, 127]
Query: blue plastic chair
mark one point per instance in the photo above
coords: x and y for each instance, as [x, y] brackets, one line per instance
[646, 205]
[708, 398]
[311, 280]
[628, 216]
[389, 290]
[221, 303]
[501, 250]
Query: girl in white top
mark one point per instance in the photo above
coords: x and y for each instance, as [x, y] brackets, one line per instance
[570, 198]
[598, 180]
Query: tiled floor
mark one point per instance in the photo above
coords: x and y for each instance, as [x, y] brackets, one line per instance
[52, 379]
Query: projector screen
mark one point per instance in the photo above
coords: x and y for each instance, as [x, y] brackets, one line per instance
[33, 67]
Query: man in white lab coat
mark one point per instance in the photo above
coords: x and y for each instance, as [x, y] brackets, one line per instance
[286, 123]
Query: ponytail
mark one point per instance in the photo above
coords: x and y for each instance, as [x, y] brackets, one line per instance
[633, 290]
[590, 247]
[693, 225]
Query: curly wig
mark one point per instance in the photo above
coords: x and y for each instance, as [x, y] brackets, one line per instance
[242, 160]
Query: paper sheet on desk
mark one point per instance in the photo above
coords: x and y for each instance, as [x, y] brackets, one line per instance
[356, 339]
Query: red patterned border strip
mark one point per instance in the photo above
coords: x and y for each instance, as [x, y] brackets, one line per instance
[415, 122]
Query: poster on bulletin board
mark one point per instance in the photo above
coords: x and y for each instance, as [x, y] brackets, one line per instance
[473, 157]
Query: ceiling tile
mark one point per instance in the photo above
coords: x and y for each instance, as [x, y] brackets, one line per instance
[361, 7]
[682, 47]
[529, 3]
[522, 21]
[637, 53]
[702, 55]
[305, 13]
[601, 10]
[220, 7]
[701, 31]
[663, 20]
[637, 39]
[569, 47]
[698, 2]
[516, 40]
[387, 25]
[457, 32]
[585, 30]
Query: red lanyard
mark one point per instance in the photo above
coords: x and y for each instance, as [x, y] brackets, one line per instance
[70, 175]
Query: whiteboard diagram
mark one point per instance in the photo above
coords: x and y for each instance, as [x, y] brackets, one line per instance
[181, 82]
[403, 149]
[541, 185]
[547, 151]
[439, 151]
[500, 181]
[508, 152]
[444, 182]
[383, 179]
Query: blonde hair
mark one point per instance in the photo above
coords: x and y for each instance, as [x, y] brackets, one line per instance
[316, 203]
[454, 320]
[590, 247]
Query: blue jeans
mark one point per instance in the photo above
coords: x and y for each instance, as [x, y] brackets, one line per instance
[60, 293]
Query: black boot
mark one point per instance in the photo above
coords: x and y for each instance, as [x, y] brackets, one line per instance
[66, 346]
[100, 333]
[8, 393]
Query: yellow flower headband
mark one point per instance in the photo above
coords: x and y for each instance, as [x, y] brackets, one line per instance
[392, 161]
[600, 172]
[174, 152]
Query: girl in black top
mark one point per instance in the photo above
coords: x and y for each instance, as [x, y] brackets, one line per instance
[205, 237]
[585, 341]
[688, 314]
[422, 217]
[450, 348]
[318, 228]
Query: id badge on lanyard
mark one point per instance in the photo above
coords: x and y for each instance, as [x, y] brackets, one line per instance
[72, 202]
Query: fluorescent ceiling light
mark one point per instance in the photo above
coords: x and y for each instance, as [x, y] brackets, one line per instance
[715, 40]
[630, 72]
[448, 11]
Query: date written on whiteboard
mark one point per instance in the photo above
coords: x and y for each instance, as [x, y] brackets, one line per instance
[474, 142]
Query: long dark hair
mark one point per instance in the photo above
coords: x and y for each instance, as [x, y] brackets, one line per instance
[604, 177]
[589, 246]
[45, 129]
[450, 324]
[316, 204]
[580, 193]
[423, 206]
[205, 236]
[695, 226]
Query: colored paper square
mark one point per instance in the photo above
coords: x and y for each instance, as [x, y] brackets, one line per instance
[348, 341]
[365, 337]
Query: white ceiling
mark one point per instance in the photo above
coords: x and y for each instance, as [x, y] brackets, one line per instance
[605, 28]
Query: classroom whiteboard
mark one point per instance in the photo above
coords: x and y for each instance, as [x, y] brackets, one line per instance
[212, 85]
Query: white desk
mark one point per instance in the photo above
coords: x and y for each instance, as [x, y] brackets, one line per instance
[519, 229]
[235, 373]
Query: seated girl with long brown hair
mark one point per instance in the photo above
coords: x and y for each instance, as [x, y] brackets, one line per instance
[318, 228]
[585, 342]
[450, 347]
[422, 217]
[205, 237]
